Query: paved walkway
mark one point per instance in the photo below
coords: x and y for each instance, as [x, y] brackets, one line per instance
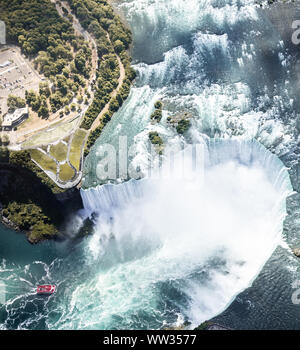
[79, 30]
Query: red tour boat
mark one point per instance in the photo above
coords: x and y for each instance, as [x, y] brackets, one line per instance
[46, 289]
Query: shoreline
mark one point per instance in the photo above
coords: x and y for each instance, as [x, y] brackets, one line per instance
[68, 203]
[69, 199]
[56, 207]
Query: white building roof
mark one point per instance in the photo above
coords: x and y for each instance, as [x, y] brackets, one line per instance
[10, 118]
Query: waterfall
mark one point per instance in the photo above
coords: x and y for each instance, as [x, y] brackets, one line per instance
[170, 249]
[185, 247]
[203, 240]
[107, 197]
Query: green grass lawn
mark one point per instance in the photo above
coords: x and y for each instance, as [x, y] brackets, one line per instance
[59, 151]
[66, 173]
[44, 160]
[50, 135]
[75, 150]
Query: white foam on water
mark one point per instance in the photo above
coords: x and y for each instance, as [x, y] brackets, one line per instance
[176, 249]
[174, 13]
[207, 239]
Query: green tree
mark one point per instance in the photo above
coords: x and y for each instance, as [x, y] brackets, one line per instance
[14, 102]
[44, 89]
[43, 111]
[119, 46]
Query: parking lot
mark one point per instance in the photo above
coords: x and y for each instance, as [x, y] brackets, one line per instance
[16, 75]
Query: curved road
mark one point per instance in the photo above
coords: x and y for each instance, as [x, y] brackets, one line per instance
[80, 31]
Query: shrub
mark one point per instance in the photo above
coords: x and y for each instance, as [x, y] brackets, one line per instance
[183, 126]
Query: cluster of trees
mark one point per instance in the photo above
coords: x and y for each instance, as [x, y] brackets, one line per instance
[96, 133]
[34, 208]
[38, 102]
[62, 57]
[64, 87]
[112, 39]
[157, 141]
[157, 114]
[22, 159]
[107, 81]
[57, 57]
[183, 126]
[155, 138]
[100, 10]
[33, 23]
[97, 107]
[29, 217]
[14, 102]
[68, 79]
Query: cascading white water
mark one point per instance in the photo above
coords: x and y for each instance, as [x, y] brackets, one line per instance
[184, 248]
[209, 65]
[179, 250]
[177, 246]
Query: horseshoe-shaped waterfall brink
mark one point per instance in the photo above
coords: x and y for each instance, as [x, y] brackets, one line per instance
[180, 246]
[178, 250]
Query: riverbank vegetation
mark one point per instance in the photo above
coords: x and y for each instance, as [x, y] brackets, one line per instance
[22, 160]
[112, 39]
[27, 200]
[65, 59]
[49, 41]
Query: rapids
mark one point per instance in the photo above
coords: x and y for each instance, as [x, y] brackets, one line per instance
[171, 250]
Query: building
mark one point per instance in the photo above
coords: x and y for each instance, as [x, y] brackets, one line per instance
[11, 120]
